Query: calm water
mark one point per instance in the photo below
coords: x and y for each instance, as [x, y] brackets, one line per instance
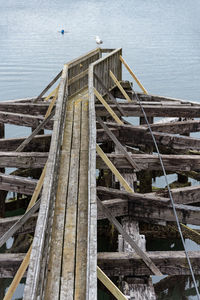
[160, 40]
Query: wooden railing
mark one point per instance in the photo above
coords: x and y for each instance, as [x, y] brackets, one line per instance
[101, 68]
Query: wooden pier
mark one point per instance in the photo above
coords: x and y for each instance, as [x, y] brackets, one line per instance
[92, 166]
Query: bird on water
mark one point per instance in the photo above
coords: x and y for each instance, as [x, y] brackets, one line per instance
[98, 40]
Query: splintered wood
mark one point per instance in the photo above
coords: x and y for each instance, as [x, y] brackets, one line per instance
[66, 277]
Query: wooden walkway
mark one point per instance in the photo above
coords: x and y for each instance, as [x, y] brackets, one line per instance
[67, 267]
[89, 132]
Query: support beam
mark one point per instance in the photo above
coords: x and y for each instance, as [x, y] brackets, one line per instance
[24, 108]
[23, 120]
[172, 163]
[145, 207]
[39, 143]
[17, 184]
[134, 110]
[169, 262]
[23, 159]
[139, 136]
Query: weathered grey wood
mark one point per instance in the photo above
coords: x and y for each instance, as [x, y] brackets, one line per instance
[39, 255]
[128, 157]
[24, 108]
[52, 286]
[133, 110]
[147, 207]
[39, 143]
[138, 136]
[149, 97]
[9, 264]
[17, 184]
[23, 159]
[48, 86]
[185, 195]
[128, 239]
[8, 222]
[23, 120]
[3, 194]
[19, 223]
[169, 262]
[180, 127]
[35, 132]
[107, 92]
[172, 163]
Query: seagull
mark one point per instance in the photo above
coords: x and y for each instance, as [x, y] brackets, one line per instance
[98, 40]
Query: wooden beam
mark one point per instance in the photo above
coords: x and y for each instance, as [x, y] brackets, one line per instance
[146, 207]
[134, 110]
[23, 120]
[180, 127]
[18, 276]
[110, 285]
[185, 195]
[128, 239]
[48, 86]
[137, 136]
[110, 95]
[9, 264]
[24, 108]
[107, 107]
[119, 86]
[128, 264]
[113, 169]
[39, 143]
[28, 227]
[128, 157]
[23, 159]
[133, 75]
[12, 230]
[172, 163]
[17, 184]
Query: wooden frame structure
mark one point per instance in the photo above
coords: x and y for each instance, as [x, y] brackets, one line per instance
[119, 151]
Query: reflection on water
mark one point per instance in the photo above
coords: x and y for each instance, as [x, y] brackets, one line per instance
[160, 40]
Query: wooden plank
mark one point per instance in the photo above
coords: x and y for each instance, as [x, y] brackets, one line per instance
[113, 169]
[9, 264]
[106, 105]
[119, 86]
[172, 163]
[146, 206]
[186, 195]
[52, 287]
[82, 213]
[18, 276]
[69, 242]
[133, 75]
[48, 86]
[23, 159]
[107, 92]
[35, 132]
[18, 184]
[92, 206]
[110, 285]
[133, 110]
[128, 239]
[19, 223]
[8, 222]
[169, 262]
[23, 120]
[24, 108]
[39, 255]
[137, 136]
[39, 143]
[180, 127]
[128, 157]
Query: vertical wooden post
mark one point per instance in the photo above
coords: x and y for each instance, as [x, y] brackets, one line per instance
[3, 194]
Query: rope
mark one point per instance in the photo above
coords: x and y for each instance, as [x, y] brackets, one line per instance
[170, 194]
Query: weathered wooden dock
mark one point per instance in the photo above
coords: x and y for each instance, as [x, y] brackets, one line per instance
[95, 165]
